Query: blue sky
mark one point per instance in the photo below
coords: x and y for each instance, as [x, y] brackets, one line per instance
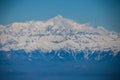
[96, 12]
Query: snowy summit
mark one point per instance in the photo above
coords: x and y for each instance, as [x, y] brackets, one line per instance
[55, 34]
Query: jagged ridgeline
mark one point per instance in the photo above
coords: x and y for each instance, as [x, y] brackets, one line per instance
[57, 40]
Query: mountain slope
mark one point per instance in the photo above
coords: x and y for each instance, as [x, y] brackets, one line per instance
[57, 33]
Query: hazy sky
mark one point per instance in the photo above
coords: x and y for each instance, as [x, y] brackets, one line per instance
[96, 12]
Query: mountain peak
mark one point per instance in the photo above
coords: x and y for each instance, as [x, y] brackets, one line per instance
[58, 17]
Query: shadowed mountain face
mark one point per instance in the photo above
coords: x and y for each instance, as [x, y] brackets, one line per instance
[59, 65]
[58, 57]
[58, 49]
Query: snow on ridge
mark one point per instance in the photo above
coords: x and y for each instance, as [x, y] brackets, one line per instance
[55, 34]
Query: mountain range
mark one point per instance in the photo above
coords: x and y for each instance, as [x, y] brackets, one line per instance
[58, 36]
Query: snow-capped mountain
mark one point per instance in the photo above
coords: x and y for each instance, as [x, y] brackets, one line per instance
[55, 34]
[58, 41]
[60, 37]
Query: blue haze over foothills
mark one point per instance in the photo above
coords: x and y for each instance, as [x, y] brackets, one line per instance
[59, 40]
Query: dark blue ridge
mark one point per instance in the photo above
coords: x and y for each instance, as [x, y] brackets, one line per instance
[60, 56]
[65, 65]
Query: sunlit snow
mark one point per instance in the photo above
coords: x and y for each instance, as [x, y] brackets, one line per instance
[57, 33]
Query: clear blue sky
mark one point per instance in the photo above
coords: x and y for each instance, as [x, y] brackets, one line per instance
[96, 12]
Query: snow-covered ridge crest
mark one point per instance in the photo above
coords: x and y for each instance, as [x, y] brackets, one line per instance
[55, 34]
